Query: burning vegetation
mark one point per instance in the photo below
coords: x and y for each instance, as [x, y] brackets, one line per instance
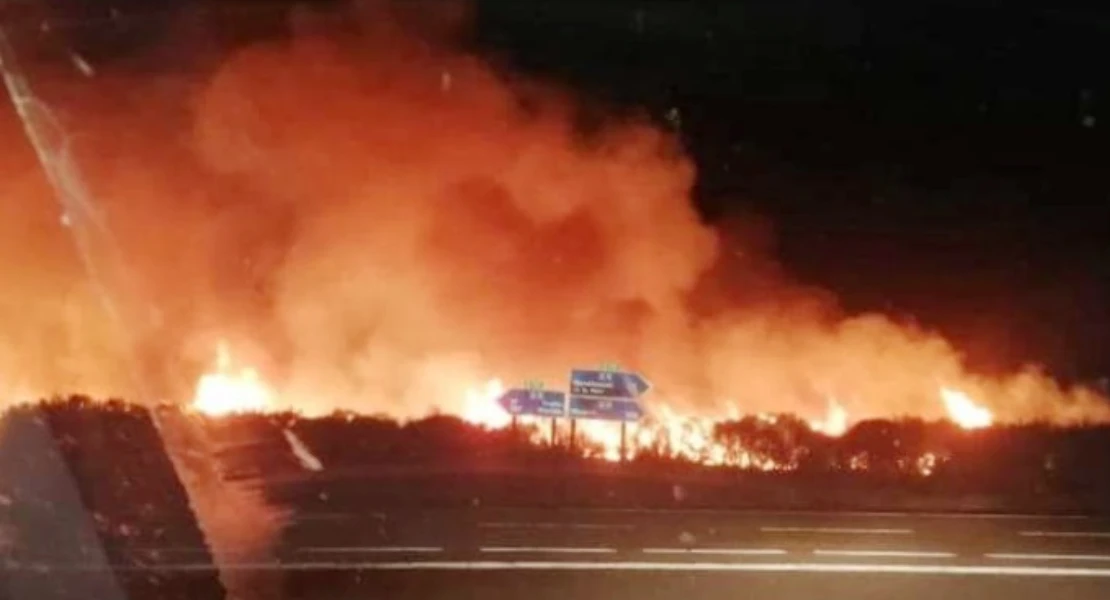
[875, 463]
[364, 216]
[741, 442]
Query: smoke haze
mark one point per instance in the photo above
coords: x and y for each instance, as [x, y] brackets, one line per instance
[378, 220]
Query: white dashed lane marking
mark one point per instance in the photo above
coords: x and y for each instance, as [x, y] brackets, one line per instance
[545, 550]
[838, 530]
[1052, 557]
[883, 554]
[373, 549]
[719, 551]
[1065, 534]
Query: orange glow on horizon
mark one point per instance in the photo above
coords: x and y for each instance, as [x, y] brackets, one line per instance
[394, 252]
[234, 389]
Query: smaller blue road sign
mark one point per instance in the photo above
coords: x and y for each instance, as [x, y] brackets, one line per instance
[542, 403]
[598, 383]
[609, 409]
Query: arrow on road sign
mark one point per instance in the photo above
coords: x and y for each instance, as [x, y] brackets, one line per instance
[607, 384]
[608, 409]
[543, 403]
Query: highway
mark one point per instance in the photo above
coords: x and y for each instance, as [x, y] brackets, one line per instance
[997, 540]
[675, 554]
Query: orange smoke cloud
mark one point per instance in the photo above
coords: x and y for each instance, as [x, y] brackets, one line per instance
[379, 222]
[53, 337]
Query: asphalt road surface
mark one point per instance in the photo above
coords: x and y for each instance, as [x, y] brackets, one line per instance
[673, 555]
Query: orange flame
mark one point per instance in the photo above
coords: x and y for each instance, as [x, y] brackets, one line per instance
[927, 464]
[228, 391]
[835, 422]
[963, 411]
[358, 230]
[481, 407]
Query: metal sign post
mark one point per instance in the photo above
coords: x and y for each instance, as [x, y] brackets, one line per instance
[607, 394]
[623, 440]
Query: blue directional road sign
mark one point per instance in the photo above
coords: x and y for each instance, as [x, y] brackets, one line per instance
[543, 403]
[609, 409]
[607, 384]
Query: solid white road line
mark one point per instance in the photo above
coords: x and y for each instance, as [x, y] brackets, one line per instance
[1022, 556]
[836, 514]
[545, 550]
[846, 530]
[718, 567]
[1066, 534]
[722, 551]
[373, 549]
[883, 554]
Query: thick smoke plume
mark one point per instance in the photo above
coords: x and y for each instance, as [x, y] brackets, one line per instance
[378, 220]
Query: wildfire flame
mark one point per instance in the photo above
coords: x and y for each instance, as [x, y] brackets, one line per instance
[227, 390]
[835, 422]
[355, 251]
[963, 411]
[357, 231]
[481, 406]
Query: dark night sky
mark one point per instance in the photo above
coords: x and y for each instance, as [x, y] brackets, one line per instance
[928, 158]
[925, 158]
